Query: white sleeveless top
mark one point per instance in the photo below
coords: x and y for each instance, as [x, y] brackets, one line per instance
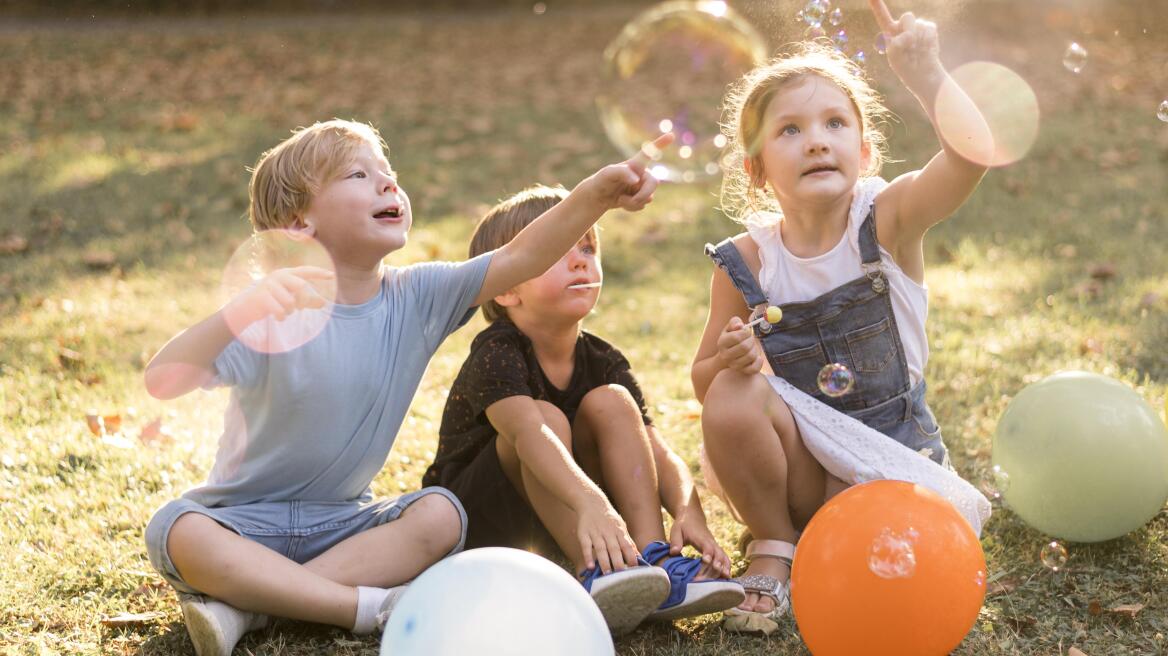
[787, 278]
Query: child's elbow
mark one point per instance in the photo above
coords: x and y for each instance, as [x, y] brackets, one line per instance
[167, 381]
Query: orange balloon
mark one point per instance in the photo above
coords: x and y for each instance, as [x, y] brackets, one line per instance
[887, 567]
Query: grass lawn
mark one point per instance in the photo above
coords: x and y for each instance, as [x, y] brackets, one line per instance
[123, 147]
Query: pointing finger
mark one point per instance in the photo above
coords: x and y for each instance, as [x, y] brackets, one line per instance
[883, 16]
[650, 150]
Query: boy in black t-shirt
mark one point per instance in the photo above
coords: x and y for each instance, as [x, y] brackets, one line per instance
[547, 442]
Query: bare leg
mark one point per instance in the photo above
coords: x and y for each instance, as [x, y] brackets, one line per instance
[612, 447]
[765, 469]
[249, 576]
[559, 519]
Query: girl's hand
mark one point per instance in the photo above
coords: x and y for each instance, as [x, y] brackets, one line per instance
[278, 295]
[604, 538]
[692, 530]
[913, 50]
[738, 350]
[627, 185]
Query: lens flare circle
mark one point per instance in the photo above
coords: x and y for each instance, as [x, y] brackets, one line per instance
[258, 257]
[1007, 103]
[671, 66]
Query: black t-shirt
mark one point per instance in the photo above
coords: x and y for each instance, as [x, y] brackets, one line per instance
[502, 364]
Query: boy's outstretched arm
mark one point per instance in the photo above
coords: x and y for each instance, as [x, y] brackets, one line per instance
[921, 199]
[627, 185]
[679, 496]
[186, 361]
[602, 534]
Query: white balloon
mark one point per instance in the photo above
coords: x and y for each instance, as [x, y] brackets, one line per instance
[496, 601]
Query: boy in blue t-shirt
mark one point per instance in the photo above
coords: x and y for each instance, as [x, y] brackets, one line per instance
[285, 524]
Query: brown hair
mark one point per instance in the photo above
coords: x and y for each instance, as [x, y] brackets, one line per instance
[746, 104]
[286, 177]
[506, 219]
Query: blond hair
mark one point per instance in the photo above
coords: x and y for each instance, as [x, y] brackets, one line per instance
[506, 219]
[286, 178]
[745, 108]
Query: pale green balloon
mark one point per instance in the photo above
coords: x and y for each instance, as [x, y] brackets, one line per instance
[1086, 455]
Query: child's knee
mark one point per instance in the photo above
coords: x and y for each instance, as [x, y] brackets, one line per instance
[442, 522]
[736, 400]
[609, 401]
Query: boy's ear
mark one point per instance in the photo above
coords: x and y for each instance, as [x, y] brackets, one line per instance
[508, 298]
[304, 226]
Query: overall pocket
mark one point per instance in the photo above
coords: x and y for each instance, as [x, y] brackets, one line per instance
[801, 366]
[872, 347]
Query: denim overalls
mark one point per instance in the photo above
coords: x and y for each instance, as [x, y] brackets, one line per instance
[853, 325]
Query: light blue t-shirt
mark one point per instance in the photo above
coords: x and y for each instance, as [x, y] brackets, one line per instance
[316, 423]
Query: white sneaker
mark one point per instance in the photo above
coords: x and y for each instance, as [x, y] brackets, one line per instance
[627, 597]
[388, 605]
[214, 626]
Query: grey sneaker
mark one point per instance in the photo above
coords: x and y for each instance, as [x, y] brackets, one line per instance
[214, 626]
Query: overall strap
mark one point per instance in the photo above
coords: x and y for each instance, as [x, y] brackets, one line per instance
[869, 247]
[726, 256]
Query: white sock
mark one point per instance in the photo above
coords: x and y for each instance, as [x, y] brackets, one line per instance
[369, 601]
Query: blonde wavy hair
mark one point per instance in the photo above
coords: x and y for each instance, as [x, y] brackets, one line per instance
[286, 178]
[744, 112]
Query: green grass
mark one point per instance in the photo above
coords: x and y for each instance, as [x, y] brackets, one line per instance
[130, 141]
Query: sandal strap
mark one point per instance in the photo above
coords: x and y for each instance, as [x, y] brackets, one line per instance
[779, 549]
[768, 586]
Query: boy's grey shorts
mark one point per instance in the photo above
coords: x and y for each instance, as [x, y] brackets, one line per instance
[298, 530]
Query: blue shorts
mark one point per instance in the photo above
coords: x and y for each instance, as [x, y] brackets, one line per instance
[298, 530]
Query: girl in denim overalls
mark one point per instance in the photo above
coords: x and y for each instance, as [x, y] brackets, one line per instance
[839, 250]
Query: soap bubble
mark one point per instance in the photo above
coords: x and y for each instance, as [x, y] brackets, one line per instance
[1075, 58]
[815, 12]
[1162, 111]
[262, 254]
[840, 39]
[1053, 555]
[996, 482]
[881, 43]
[671, 66]
[835, 17]
[892, 555]
[1007, 104]
[835, 380]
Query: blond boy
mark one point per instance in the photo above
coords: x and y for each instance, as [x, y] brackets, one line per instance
[285, 524]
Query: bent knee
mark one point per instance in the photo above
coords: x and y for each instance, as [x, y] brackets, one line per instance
[607, 400]
[441, 522]
[735, 400]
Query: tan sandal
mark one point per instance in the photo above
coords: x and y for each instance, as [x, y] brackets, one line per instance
[749, 621]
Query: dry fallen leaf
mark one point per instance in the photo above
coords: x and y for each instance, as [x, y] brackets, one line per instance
[103, 424]
[1095, 608]
[1104, 271]
[13, 244]
[99, 259]
[155, 432]
[1074, 651]
[132, 619]
[1127, 610]
[1002, 586]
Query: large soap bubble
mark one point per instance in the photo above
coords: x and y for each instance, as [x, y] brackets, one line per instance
[496, 601]
[667, 71]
